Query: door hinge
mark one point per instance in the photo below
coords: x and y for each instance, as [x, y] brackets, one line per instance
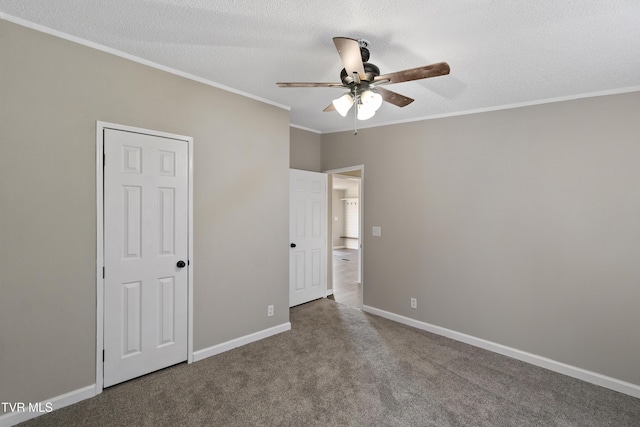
[103, 355]
[103, 272]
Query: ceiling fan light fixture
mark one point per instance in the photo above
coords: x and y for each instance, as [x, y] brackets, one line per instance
[371, 99]
[364, 82]
[343, 104]
[365, 112]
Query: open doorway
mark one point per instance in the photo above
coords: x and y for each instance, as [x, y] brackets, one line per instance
[346, 236]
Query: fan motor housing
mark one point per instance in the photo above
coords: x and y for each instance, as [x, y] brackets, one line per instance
[370, 71]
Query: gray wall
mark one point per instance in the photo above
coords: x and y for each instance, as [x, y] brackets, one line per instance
[305, 150]
[521, 227]
[52, 92]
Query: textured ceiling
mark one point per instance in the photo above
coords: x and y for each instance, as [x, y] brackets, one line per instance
[501, 52]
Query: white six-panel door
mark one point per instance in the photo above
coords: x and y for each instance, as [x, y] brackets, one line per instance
[145, 238]
[308, 236]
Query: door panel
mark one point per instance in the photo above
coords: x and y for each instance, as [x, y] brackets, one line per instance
[307, 231]
[131, 318]
[166, 312]
[166, 229]
[146, 234]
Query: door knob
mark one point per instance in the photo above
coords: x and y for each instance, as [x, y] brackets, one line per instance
[181, 264]
[293, 245]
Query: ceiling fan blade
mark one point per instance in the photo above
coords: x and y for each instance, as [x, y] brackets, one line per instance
[393, 97]
[433, 70]
[329, 108]
[308, 84]
[349, 50]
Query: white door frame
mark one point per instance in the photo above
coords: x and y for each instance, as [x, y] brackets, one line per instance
[100, 126]
[360, 225]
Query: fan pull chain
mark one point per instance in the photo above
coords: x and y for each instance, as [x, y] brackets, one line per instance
[355, 111]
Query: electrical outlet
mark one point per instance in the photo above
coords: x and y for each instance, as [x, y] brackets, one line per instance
[414, 303]
[269, 310]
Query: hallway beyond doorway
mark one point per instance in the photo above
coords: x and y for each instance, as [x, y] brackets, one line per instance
[346, 289]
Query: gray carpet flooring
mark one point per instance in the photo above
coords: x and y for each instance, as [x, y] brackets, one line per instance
[341, 367]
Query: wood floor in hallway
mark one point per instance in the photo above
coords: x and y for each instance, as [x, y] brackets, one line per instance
[346, 289]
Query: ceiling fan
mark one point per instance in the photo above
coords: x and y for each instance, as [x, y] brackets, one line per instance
[363, 80]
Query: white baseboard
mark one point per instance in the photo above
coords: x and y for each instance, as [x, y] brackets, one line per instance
[329, 292]
[238, 342]
[13, 418]
[552, 365]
